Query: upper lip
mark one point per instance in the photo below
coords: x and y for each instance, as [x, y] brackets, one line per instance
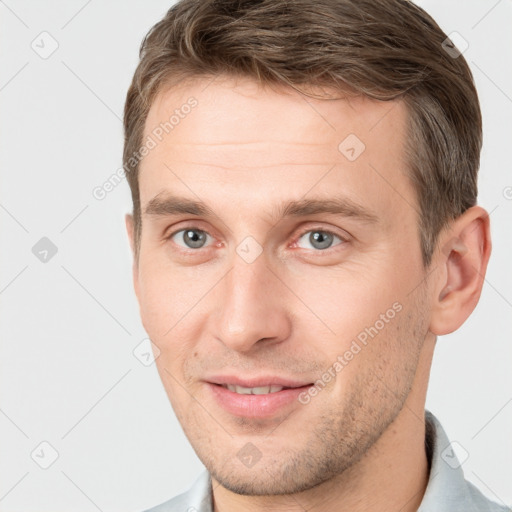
[256, 382]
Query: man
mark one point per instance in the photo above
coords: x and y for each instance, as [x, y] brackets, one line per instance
[304, 226]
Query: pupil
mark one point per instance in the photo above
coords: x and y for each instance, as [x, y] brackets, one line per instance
[194, 239]
[320, 240]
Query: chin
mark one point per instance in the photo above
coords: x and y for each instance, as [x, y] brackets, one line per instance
[273, 479]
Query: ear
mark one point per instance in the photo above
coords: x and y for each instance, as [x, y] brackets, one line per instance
[461, 260]
[131, 237]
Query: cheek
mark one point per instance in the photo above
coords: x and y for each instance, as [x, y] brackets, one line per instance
[156, 308]
[349, 299]
[378, 365]
[173, 383]
[167, 295]
[173, 309]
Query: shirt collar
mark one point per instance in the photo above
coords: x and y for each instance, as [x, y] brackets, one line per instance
[447, 489]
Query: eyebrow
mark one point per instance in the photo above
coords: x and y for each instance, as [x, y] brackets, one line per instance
[167, 205]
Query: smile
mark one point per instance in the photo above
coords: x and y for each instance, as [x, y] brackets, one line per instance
[260, 390]
[257, 399]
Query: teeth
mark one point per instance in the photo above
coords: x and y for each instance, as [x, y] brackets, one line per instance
[261, 390]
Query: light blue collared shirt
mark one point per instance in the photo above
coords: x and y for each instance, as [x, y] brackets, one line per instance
[447, 489]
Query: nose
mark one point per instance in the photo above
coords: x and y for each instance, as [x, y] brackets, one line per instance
[251, 307]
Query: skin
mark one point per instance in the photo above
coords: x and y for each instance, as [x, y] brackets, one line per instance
[243, 150]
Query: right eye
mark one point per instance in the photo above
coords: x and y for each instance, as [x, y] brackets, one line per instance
[190, 238]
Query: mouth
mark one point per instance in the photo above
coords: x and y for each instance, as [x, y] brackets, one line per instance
[258, 390]
[261, 398]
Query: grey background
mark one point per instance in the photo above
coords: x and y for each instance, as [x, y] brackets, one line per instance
[69, 325]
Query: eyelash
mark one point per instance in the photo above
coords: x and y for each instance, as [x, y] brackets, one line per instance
[343, 239]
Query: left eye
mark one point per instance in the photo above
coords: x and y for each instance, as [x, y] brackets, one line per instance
[318, 239]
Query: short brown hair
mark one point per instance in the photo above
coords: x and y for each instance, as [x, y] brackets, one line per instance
[383, 49]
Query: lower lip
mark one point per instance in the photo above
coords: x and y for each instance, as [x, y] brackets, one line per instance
[255, 406]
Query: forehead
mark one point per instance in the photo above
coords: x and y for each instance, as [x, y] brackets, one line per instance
[251, 139]
[252, 108]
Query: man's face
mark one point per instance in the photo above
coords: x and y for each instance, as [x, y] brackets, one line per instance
[304, 263]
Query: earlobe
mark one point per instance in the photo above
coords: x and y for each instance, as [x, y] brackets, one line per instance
[461, 262]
